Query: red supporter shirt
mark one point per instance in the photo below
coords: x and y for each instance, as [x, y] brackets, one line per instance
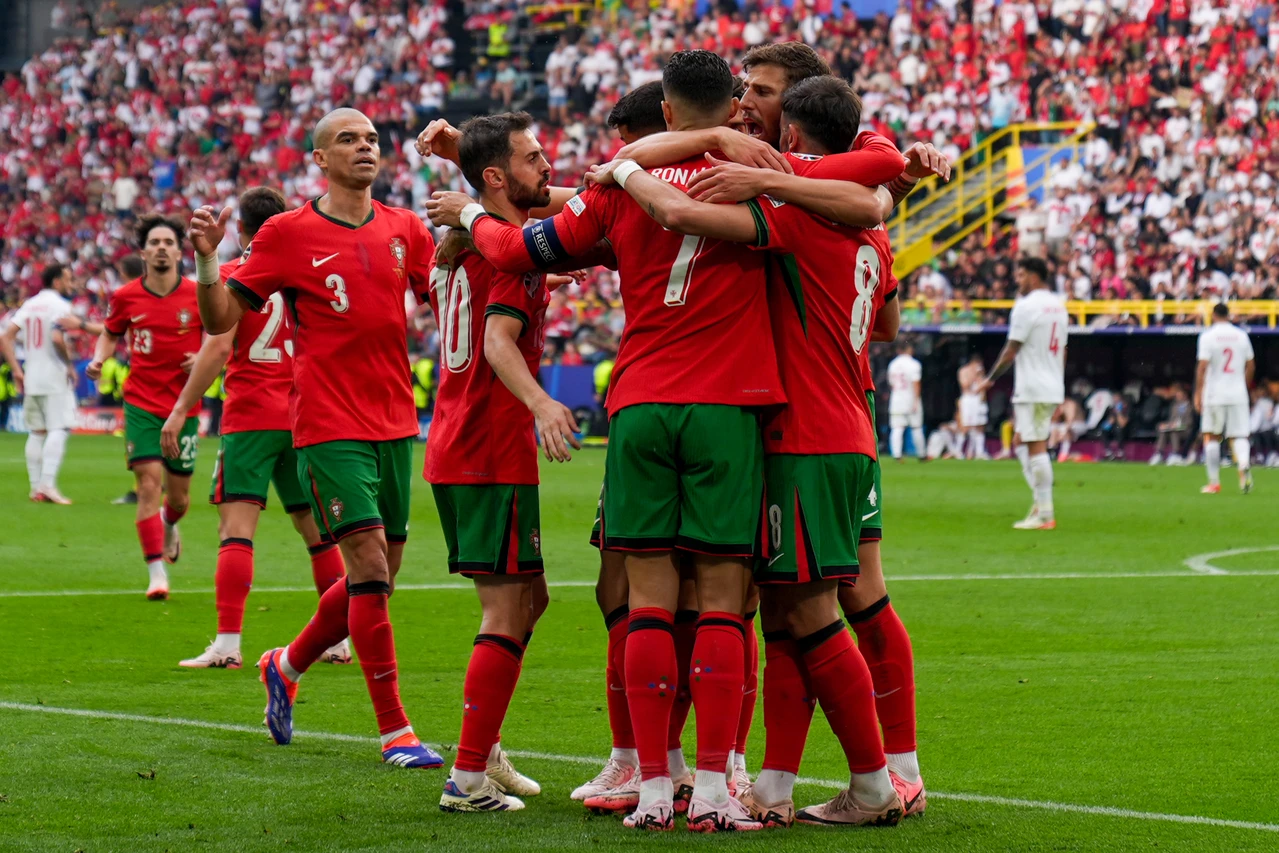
[259, 373]
[159, 332]
[345, 287]
[481, 432]
[697, 327]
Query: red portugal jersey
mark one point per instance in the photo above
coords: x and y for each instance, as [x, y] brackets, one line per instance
[344, 285]
[160, 332]
[697, 327]
[259, 373]
[481, 432]
[823, 296]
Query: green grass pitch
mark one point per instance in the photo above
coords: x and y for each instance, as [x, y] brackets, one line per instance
[1078, 690]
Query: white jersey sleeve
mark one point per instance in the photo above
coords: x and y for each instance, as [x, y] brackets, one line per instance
[1040, 324]
[46, 373]
[1227, 350]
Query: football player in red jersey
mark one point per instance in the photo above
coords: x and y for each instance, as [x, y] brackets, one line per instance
[353, 421]
[159, 314]
[256, 447]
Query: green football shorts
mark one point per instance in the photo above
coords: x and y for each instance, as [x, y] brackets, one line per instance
[358, 485]
[683, 476]
[491, 529]
[248, 460]
[872, 510]
[813, 516]
[142, 441]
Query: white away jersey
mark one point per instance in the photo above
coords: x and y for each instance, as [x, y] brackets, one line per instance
[1227, 349]
[903, 372]
[46, 373]
[1038, 322]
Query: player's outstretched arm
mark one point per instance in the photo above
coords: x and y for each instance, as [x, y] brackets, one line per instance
[836, 199]
[73, 323]
[555, 424]
[675, 146]
[209, 362]
[543, 245]
[675, 211]
[10, 352]
[887, 322]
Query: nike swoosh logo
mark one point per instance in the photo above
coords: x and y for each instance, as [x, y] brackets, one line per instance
[616, 689]
[868, 516]
[778, 557]
[384, 674]
[323, 261]
[887, 693]
[138, 319]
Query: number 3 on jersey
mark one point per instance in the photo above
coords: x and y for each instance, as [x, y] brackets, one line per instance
[865, 280]
[338, 286]
[453, 313]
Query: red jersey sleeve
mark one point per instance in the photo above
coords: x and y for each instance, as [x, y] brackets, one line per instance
[262, 273]
[420, 261]
[572, 231]
[117, 322]
[873, 161]
[780, 226]
[510, 296]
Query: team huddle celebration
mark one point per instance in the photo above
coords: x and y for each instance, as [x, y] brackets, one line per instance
[738, 524]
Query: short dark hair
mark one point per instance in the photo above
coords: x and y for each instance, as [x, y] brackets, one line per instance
[131, 267]
[51, 273]
[486, 141]
[797, 59]
[739, 87]
[257, 205]
[1035, 266]
[639, 110]
[826, 109]
[698, 78]
[1221, 310]
[151, 221]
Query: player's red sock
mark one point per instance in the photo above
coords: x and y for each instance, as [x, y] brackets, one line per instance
[788, 703]
[327, 567]
[619, 712]
[169, 515]
[374, 641]
[750, 686]
[151, 536]
[719, 655]
[685, 636]
[885, 645]
[327, 627]
[842, 684]
[651, 682]
[231, 582]
[490, 683]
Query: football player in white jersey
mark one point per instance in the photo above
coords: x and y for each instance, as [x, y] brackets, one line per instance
[1037, 330]
[48, 377]
[973, 412]
[1226, 366]
[905, 408]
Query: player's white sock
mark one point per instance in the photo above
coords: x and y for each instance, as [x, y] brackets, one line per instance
[873, 788]
[675, 762]
[738, 759]
[1041, 471]
[773, 786]
[895, 437]
[468, 781]
[1243, 453]
[35, 458]
[1063, 450]
[55, 445]
[917, 439]
[652, 790]
[159, 577]
[711, 785]
[225, 644]
[904, 764]
[1023, 456]
[629, 757]
[391, 736]
[976, 442]
[1212, 460]
[287, 668]
[955, 444]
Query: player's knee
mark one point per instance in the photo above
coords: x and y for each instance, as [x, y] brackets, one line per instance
[540, 599]
[365, 555]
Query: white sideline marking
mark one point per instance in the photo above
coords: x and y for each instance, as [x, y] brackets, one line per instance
[1046, 805]
[1202, 563]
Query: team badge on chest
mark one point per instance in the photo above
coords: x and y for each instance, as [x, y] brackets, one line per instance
[399, 252]
[184, 320]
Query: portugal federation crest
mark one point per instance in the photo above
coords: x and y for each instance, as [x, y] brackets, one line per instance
[184, 319]
[399, 252]
[535, 539]
[336, 508]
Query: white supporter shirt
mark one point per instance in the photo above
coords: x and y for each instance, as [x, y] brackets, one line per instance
[1227, 349]
[903, 372]
[45, 372]
[1039, 323]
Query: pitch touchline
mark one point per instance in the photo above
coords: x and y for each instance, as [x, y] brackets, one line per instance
[1046, 805]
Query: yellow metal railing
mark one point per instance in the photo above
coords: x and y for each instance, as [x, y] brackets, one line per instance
[957, 209]
[1144, 310]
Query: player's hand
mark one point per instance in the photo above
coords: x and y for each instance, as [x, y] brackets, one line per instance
[1199, 404]
[554, 281]
[208, 227]
[440, 138]
[602, 173]
[19, 377]
[556, 429]
[72, 376]
[984, 386]
[188, 362]
[169, 434]
[727, 183]
[445, 208]
[923, 159]
[93, 370]
[749, 151]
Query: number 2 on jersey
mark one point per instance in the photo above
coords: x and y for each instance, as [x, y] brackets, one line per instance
[1228, 367]
[865, 280]
[262, 350]
[453, 313]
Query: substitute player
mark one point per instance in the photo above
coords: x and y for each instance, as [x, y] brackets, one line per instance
[905, 402]
[159, 314]
[256, 447]
[481, 457]
[345, 261]
[973, 411]
[48, 378]
[1037, 330]
[1222, 377]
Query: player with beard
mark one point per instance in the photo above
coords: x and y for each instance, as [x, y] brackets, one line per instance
[159, 314]
[481, 458]
[354, 421]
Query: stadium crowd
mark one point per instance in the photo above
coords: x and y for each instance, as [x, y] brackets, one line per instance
[180, 104]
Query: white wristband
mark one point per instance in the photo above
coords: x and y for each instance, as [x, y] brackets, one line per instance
[206, 270]
[625, 170]
[470, 213]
